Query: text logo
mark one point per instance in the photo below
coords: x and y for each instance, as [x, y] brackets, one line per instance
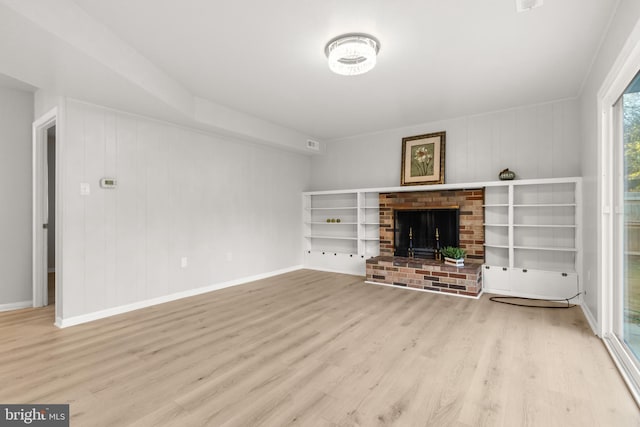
[34, 415]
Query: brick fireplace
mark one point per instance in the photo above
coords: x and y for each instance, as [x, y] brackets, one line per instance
[425, 274]
[471, 216]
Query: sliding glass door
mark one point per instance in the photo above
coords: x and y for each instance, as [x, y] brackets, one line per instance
[626, 295]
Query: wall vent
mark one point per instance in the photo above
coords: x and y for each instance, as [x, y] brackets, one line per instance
[313, 145]
[526, 5]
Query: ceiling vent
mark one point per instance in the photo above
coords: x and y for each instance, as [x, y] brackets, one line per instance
[526, 5]
[313, 145]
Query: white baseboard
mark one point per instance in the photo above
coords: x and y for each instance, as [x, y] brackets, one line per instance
[336, 270]
[590, 318]
[425, 290]
[89, 317]
[16, 305]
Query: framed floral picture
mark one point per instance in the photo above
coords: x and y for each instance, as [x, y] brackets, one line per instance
[423, 159]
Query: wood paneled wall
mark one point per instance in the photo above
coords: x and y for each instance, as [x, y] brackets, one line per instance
[231, 208]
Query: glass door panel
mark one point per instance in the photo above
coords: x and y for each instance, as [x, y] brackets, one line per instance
[628, 223]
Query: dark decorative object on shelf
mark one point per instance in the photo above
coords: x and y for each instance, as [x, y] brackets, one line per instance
[507, 175]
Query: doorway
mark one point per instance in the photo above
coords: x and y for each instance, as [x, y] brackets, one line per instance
[51, 211]
[46, 259]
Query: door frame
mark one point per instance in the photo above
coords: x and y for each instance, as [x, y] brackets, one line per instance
[39, 209]
[621, 74]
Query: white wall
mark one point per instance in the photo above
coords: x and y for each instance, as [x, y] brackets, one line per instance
[626, 16]
[538, 141]
[45, 101]
[16, 116]
[232, 208]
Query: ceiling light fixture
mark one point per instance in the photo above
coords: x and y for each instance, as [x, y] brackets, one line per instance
[352, 54]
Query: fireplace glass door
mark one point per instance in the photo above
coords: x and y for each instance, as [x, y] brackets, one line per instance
[424, 231]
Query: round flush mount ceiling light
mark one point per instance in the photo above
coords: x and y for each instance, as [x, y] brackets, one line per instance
[352, 54]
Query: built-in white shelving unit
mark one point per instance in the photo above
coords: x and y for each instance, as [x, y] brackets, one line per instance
[532, 238]
[532, 233]
[341, 246]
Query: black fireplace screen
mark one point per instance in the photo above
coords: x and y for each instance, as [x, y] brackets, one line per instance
[423, 224]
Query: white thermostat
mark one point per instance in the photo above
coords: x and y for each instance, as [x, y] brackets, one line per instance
[108, 183]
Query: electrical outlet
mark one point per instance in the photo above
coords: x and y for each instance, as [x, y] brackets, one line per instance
[184, 262]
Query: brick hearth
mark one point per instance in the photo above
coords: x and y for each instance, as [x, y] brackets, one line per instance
[426, 274]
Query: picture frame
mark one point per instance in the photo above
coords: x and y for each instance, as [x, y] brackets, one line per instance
[423, 159]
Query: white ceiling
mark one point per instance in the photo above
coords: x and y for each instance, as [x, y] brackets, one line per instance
[438, 59]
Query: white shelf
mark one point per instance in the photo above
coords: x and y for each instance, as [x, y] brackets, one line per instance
[546, 248]
[333, 208]
[545, 225]
[370, 223]
[331, 237]
[496, 205]
[496, 225]
[489, 245]
[546, 205]
[331, 223]
[328, 251]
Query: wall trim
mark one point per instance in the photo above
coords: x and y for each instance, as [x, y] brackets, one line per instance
[590, 318]
[333, 270]
[101, 314]
[16, 305]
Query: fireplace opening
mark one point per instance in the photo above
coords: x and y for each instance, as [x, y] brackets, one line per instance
[422, 224]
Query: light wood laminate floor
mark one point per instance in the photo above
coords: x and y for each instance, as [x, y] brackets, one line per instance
[318, 349]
